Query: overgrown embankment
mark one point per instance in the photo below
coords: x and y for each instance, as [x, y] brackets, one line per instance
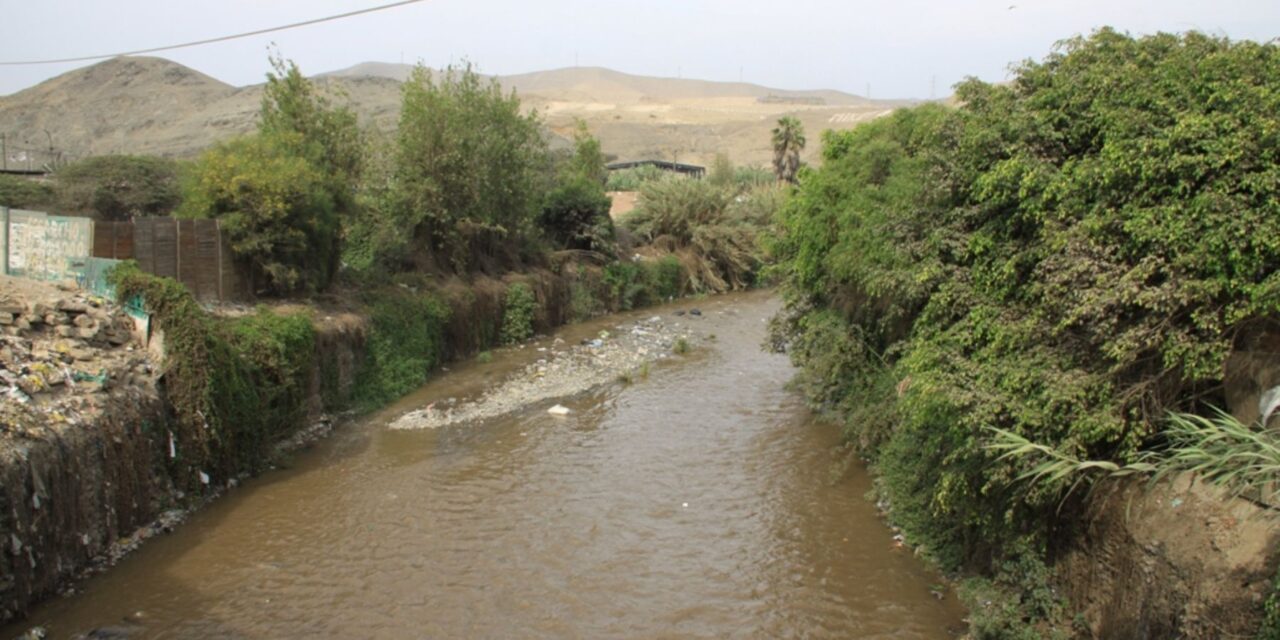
[232, 389]
[1067, 259]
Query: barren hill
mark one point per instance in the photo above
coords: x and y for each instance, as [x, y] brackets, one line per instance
[155, 106]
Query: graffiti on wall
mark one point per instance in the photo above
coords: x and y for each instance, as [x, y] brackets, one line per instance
[42, 246]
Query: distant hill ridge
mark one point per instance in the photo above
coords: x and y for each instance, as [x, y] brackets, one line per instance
[613, 83]
[147, 105]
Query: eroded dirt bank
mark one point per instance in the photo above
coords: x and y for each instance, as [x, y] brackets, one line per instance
[1178, 560]
[85, 445]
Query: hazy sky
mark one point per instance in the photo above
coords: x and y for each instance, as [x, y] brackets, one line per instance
[898, 48]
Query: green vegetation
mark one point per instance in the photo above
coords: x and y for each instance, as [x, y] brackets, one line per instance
[517, 315]
[107, 187]
[1221, 451]
[788, 142]
[681, 346]
[1066, 258]
[634, 179]
[630, 285]
[283, 193]
[20, 193]
[118, 187]
[465, 183]
[406, 342]
[576, 212]
[236, 386]
[714, 230]
[278, 214]
[1270, 628]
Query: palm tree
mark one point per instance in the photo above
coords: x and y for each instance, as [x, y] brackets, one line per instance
[788, 141]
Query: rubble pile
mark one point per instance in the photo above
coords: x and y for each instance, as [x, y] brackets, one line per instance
[62, 352]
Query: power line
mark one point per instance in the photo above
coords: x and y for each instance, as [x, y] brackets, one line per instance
[218, 39]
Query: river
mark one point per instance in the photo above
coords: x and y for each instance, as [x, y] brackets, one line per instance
[701, 501]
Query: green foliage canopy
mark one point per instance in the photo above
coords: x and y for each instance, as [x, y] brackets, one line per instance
[276, 209]
[118, 187]
[788, 142]
[468, 173]
[1066, 257]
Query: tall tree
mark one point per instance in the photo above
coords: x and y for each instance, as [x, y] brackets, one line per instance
[788, 142]
[467, 172]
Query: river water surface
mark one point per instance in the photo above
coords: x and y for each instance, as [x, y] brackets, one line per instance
[703, 501]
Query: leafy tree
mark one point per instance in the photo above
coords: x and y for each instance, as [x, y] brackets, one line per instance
[282, 194]
[587, 160]
[275, 206]
[788, 142]
[295, 113]
[327, 136]
[118, 187]
[575, 214]
[467, 179]
[722, 172]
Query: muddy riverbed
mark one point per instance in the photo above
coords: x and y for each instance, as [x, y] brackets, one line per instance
[701, 500]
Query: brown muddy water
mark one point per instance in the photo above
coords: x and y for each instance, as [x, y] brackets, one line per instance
[703, 501]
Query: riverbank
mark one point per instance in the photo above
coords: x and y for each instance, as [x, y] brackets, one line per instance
[703, 500]
[231, 394]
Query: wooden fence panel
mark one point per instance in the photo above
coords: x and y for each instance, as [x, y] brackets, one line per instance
[165, 236]
[144, 245]
[206, 260]
[186, 259]
[113, 240]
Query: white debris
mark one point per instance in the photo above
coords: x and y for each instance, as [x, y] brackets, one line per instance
[558, 410]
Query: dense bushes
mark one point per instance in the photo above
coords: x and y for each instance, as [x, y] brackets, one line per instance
[1066, 257]
[20, 193]
[279, 214]
[406, 342]
[236, 385]
[464, 182]
[107, 187]
[118, 187]
[284, 193]
[714, 230]
[517, 315]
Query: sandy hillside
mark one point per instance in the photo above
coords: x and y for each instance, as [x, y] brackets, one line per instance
[155, 106]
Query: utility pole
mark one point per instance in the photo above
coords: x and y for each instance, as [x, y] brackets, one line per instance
[4, 153]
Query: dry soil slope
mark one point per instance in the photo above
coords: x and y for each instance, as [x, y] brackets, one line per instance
[149, 105]
[127, 105]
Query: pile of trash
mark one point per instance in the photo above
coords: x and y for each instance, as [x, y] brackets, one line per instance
[61, 351]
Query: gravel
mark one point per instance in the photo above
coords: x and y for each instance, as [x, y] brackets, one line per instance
[561, 374]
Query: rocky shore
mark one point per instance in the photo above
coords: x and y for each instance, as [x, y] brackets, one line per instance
[565, 370]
